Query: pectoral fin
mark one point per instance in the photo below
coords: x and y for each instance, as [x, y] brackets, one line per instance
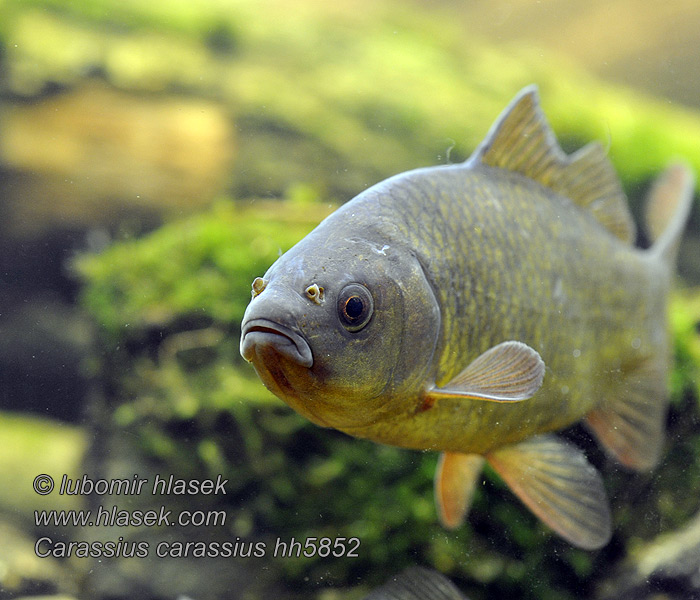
[455, 482]
[508, 372]
[557, 483]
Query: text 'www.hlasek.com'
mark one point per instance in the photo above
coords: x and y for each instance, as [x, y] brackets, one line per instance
[161, 518]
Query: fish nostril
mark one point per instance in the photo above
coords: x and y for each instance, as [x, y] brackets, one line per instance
[314, 293]
[259, 284]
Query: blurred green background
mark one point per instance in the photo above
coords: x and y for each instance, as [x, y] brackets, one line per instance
[156, 156]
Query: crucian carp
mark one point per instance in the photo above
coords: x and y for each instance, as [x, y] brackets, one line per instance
[474, 309]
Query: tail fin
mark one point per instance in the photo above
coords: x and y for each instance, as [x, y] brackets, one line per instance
[631, 425]
[667, 210]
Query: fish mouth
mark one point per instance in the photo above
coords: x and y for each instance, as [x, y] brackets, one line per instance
[263, 333]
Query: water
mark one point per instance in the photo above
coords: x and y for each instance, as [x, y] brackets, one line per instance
[190, 143]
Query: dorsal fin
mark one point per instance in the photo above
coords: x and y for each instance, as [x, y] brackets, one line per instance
[521, 140]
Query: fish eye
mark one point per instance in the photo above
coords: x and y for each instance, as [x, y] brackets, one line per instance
[355, 306]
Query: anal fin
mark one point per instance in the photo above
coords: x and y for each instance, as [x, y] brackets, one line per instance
[631, 427]
[455, 483]
[556, 482]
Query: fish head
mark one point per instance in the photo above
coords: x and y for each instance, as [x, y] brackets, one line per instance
[342, 331]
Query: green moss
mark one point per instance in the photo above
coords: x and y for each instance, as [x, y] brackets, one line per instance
[197, 269]
[33, 446]
[685, 321]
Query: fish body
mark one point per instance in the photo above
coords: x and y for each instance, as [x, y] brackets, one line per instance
[529, 267]
[473, 308]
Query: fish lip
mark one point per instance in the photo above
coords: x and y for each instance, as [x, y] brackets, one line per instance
[260, 332]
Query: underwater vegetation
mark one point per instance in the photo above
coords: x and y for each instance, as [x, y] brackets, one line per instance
[178, 393]
[244, 133]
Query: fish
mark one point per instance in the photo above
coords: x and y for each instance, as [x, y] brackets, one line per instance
[475, 309]
[417, 583]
